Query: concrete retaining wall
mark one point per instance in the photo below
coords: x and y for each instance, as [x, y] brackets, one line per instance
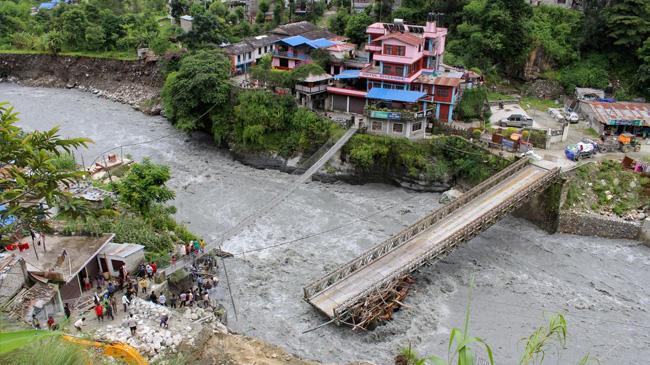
[587, 224]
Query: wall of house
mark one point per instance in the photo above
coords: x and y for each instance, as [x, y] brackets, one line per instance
[71, 290]
[12, 281]
[410, 51]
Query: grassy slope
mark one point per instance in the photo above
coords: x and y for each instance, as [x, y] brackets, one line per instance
[606, 188]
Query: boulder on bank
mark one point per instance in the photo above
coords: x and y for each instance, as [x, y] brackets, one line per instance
[449, 196]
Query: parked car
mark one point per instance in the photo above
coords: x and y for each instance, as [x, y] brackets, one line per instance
[516, 120]
[572, 117]
[556, 114]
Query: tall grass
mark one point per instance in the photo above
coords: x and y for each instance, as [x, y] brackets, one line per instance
[53, 351]
[544, 339]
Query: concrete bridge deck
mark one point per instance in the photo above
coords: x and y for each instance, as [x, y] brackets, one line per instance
[345, 290]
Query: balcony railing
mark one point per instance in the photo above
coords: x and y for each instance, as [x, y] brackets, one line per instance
[372, 47]
[297, 56]
[379, 113]
[311, 90]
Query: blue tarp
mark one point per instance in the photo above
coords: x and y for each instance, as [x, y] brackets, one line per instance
[348, 74]
[6, 220]
[394, 95]
[321, 43]
[299, 40]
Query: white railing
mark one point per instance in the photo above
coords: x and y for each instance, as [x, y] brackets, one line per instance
[312, 89]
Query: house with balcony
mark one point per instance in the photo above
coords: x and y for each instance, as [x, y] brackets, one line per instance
[311, 91]
[403, 85]
[241, 57]
[295, 51]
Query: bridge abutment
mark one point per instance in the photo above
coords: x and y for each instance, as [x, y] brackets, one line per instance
[543, 209]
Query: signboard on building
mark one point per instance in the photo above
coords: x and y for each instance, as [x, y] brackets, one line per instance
[385, 115]
[382, 76]
[422, 114]
[636, 122]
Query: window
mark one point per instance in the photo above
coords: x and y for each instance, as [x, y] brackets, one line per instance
[376, 126]
[238, 58]
[399, 70]
[398, 128]
[393, 50]
[249, 55]
[442, 91]
[416, 126]
[259, 50]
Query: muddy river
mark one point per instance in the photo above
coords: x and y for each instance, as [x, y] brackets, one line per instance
[521, 273]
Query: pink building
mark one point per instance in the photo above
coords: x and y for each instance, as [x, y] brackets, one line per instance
[292, 52]
[403, 86]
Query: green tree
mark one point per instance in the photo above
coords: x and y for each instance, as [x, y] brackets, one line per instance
[494, 33]
[144, 185]
[30, 173]
[628, 23]
[73, 27]
[95, 37]
[200, 86]
[356, 27]
[207, 29]
[644, 67]
[178, 8]
[558, 32]
[337, 23]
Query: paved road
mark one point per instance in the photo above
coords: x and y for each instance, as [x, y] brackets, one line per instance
[353, 285]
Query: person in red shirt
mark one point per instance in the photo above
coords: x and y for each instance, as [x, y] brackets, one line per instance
[99, 311]
[51, 324]
[154, 267]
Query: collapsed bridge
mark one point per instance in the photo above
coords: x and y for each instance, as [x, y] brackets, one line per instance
[341, 293]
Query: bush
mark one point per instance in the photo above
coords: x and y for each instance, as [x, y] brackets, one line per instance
[472, 104]
[591, 72]
[24, 40]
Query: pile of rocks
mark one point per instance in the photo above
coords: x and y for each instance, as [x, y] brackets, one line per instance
[153, 341]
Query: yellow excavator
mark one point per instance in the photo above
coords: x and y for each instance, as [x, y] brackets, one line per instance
[116, 350]
[10, 341]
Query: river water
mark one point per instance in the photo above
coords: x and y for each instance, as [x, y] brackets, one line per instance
[521, 273]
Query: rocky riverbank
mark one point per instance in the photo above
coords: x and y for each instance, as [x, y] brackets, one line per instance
[136, 83]
[338, 170]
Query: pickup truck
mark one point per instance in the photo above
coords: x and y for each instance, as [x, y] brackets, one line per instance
[516, 120]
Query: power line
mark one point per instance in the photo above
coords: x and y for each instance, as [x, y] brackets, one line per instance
[323, 232]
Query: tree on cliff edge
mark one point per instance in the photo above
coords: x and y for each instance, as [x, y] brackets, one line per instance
[199, 92]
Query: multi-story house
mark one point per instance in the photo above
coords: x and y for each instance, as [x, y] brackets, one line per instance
[404, 84]
[295, 51]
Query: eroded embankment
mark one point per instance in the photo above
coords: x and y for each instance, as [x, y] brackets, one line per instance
[137, 83]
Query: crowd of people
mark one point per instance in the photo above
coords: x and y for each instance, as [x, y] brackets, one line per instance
[107, 298]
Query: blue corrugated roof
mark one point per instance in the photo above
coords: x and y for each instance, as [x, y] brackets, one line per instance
[321, 43]
[295, 40]
[299, 40]
[47, 6]
[394, 95]
[348, 74]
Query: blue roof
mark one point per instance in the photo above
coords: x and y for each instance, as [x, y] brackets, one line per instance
[47, 6]
[321, 43]
[348, 74]
[299, 40]
[295, 40]
[394, 95]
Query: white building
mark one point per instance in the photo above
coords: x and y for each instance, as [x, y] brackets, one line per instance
[115, 255]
